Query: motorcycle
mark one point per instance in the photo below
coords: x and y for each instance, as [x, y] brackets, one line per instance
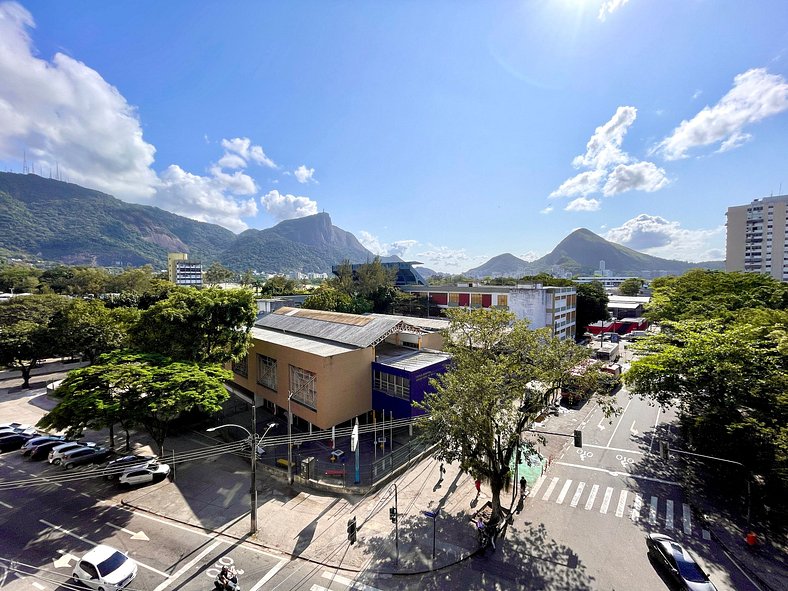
[227, 580]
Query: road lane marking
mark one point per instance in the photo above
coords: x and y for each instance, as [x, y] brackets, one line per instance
[635, 514]
[652, 512]
[629, 451]
[334, 578]
[606, 499]
[615, 473]
[592, 497]
[537, 486]
[613, 434]
[654, 431]
[669, 515]
[6, 505]
[92, 543]
[736, 564]
[563, 492]
[578, 492]
[270, 574]
[175, 576]
[38, 586]
[632, 429]
[140, 535]
[622, 503]
[550, 488]
[687, 519]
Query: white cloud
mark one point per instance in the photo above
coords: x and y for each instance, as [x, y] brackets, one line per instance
[697, 94]
[304, 174]
[609, 7]
[397, 248]
[755, 95]
[529, 256]
[604, 148]
[612, 170]
[641, 176]
[546, 210]
[448, 260]
[237, 182]
[202, 198]
[657, 236]
[65, 116]
[583, 204]
[581, 184]
[231, 161]
[287, 207]
[243, 151]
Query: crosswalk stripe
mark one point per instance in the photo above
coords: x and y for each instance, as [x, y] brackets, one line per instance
[669, 515]
[636, 504]
[351, 584]
[622, 503]
[537, 486]
[591, 497]
[687, 520]
[563, 492]
[578, 492]
[550, 488]
[652, 512]
[606, 500]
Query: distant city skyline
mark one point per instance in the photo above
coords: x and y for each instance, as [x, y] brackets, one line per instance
[442, 132]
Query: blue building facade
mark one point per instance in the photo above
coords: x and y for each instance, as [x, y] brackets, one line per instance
[398, 383]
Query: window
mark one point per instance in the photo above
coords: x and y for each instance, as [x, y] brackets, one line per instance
[241, 367]
[266, 372]
[503, 300]
[476, 300]
[303, 387]
[396, 386]
[454, 299]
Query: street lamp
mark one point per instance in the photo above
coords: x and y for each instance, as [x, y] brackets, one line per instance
[253, 458]
[289, 440]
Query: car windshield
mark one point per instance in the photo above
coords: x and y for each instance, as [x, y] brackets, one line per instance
[690, 571]
[111, 564]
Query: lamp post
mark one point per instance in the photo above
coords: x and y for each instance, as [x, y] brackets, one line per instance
[289, 440]
[253, 459]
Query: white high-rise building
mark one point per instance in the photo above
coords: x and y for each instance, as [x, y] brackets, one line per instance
[756, 237]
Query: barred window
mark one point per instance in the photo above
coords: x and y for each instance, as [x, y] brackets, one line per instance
[241, 367]
[503, 300]
[266, 372]
[454, 298]
[476, 300]
[392, 385]
[303, 386]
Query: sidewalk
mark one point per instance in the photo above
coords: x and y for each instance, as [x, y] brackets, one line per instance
[213, 494]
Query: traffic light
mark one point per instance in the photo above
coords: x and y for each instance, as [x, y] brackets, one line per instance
[351, 531]
[578, 438]
[393, 514]
[664, 448]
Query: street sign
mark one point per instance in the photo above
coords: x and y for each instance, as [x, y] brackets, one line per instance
[432, 514]
[354, 438]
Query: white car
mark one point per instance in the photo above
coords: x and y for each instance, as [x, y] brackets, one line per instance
[143, 474]
[105, 569]
[57, 453]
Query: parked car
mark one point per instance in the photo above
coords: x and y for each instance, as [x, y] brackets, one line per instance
[118, 466]
[150, 472]
[26, 429]
[36, 441]
[57, 453]
[674, 558]
[105, 569]
[85, 455]
[13, 441]
[41, 451]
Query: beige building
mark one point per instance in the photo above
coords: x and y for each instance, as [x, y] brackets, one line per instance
[323, 360]
[182, 271]
[756, 237]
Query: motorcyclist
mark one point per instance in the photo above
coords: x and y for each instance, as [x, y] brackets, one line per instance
[227, 580]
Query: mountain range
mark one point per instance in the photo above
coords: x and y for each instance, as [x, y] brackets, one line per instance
[63, 222]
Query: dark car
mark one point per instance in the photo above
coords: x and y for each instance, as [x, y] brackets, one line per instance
[31, 444]
[85, 455]
[14, 441]
[118, 466]
[41, 451]
[673, 558]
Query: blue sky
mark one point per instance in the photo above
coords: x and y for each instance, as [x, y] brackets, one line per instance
[444, 132]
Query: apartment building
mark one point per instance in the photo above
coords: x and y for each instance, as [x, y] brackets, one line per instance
[182, 271]
[756, 237]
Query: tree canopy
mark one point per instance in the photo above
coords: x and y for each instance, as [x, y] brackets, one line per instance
[217, 273]
[501, 377]
[592, 303]
[630, 287]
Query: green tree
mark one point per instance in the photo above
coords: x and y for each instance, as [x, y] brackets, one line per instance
[217, 274]
[630, 287]
[490, 392]
[27, 335]
[88, 281]
[135, 280]
[89, 328]
[247, 278]
[591, 305]
[19, 279]
[206, 326]
[279, 285]
[57, 279]
[328, 298]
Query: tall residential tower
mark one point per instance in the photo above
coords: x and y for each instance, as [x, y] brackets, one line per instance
[756, 240]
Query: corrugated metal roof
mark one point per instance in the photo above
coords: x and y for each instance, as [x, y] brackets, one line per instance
[414, 360]
[431, 324]
[294, 341]
[348, 329]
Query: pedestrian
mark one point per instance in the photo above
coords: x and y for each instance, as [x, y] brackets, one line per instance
[523, 486]
[478, 485]
[441, 471]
